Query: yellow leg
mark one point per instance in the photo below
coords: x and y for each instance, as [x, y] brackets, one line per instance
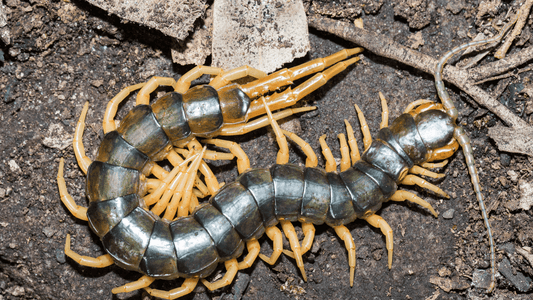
[367, 138]
[186, 288]
[290, 233]
[345, 153]
[243, 163]
[331, 165]
[416, 103]
[143, 97]
[307, 242]
[274, 234]
[112, 106]
[183, 209]
[379, 222]
[444, 152]
[240, 129]
[227, 77]
[311, 160]
[384, 112]
[183, 84]
[346, 236]
[231, 270]
[101, 261]
[77, 142]
[140, 283]
[77, 211]
[290, 96]
[210, 179]
[405, 195]
[253, 250]
[434, 165]
[165, 183]
[421, 171]
[286, 76]
[354, 149]
[283, 153]
[414, 180]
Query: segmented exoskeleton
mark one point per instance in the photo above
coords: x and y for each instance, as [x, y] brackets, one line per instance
[240, 212]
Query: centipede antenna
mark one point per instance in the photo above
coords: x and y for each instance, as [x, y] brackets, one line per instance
[463, 139]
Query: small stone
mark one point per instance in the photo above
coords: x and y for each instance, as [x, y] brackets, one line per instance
[49, 231]
[16, 291]
[60, 256]
[521, 282]
[448, 214]
[57, 137]
[505, 159]
[481, 279]
[14, 167]
[444, 272]
[2, 192]
[513, 175]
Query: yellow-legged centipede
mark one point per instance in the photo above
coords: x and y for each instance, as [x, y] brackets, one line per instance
[241, 212]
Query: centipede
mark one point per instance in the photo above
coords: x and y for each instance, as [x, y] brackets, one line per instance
[150, 221]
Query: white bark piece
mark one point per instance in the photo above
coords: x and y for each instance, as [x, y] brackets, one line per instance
[174, 18]
[262, 34]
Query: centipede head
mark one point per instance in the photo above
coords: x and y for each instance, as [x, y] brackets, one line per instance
[436, 128]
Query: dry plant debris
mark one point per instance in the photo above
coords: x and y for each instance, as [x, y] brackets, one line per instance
[263, 36]
[173, 17]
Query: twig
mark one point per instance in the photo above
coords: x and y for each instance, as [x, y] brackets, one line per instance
[498, 67]
[523, 14]
[512, 73]
[383, 46]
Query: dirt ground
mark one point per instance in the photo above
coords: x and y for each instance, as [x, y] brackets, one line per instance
[63, 54]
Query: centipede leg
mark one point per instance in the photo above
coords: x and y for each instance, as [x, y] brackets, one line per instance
[421, 171]
[231, 270]
[108, 122]
[274, 234]
[138, 284]
[243, 163]
[331, 165]
[307, 242]
[311, 160]
[416, 103]
[77, 142]
[210, 179]
[347, 237]
[444, 152]
[290, 233]
[186, 288]
[76, 210]
[352, 142]
[289, 97]
[286, 76]
[283, 153]
[367, 138]
[239, 129]
[434, 165]
[101, 261]
[227, 77]
[253, 248]
[405, 195]
[414, 180]
[183, 84]
[378, 222]
[345, 153]
[384, 112]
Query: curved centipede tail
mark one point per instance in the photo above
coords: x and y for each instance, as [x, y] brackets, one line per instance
[464, 141]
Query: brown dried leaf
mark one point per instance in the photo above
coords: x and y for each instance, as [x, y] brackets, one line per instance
[172, 17]
[515, 140]
[263, 35]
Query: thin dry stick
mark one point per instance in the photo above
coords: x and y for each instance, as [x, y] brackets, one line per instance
[500, 66]
[383, 46]
[512, 73]
[523, 14]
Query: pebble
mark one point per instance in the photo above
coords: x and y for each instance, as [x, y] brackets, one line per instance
[481, 279]
[60, 256]
[448, 214]
[521, 282]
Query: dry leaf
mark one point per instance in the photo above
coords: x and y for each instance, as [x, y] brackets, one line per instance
[260, 34]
